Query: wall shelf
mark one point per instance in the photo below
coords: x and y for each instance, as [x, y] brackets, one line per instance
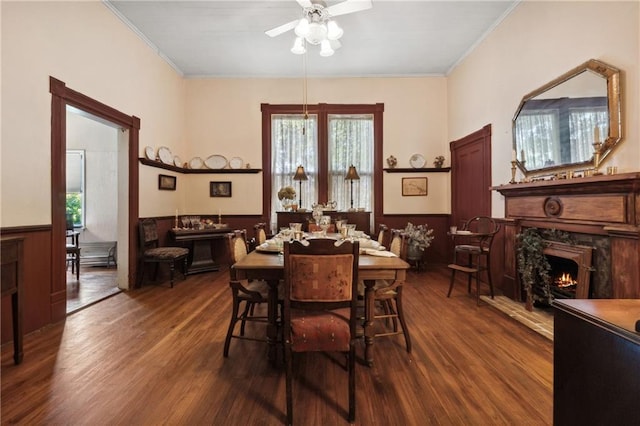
[420, 170]
[161, 165]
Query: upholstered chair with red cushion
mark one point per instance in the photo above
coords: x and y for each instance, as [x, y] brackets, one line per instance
[320, 302]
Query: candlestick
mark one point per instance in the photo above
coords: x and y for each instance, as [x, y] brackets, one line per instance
[513, 155]
[513, 171]
[596, 134]
[219, 216]
[175, 225]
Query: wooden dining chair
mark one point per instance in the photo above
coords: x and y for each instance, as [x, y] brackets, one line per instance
[259, 235]
[388, 295]
[245, 294]
[152, 252]
[73, 248]
[320, 302]
[383, 235]
[477, 249]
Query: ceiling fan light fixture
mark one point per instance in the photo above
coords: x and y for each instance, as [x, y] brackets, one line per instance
[298, 46]
[302, 29]
[334, 32]
[317, 33]
[325, 48]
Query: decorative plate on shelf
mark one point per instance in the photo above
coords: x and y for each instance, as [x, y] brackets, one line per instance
[165, 155]
[235, 163]
[177, 161]
[150, 153]
[216, 162]
[195, 163]
[417, 161]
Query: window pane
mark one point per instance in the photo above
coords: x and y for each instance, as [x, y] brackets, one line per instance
[75, 186]
[294, 142]
[351, 143]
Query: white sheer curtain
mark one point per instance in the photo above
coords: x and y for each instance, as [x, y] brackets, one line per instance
[291, 148]
[539, 134]
[582, 122]
[350, 142]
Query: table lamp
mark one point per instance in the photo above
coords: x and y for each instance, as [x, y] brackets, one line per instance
[300, 176]
[352, 175]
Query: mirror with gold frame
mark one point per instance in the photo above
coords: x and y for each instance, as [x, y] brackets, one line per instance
[555, 126]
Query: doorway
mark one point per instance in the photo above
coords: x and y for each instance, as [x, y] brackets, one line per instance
[92, 171]
[127, 187]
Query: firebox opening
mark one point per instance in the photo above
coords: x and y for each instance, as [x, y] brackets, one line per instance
[564, 275]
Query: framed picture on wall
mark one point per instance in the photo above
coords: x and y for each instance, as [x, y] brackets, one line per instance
[166, 182]
[220, 189]
[414, 186]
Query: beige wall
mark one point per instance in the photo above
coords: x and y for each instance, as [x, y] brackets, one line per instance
[224, 117]
[536, 43]
[87, 47]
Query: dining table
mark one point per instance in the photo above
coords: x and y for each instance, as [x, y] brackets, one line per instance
[269, 266]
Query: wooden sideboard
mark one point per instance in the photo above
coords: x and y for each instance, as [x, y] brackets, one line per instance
[360, 219]
[596, 362]
[11, 277]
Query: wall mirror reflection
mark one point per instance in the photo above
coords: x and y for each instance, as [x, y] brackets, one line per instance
[555, 126]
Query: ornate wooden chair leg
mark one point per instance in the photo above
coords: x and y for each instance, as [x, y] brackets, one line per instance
[172, 267]
[453, 277]
[403, 322]
[232, 323]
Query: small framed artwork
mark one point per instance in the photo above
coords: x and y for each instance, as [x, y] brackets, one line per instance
[414, 186]
[167, 183]
[220, 189]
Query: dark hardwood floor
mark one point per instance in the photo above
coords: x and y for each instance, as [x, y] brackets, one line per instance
[154, 356]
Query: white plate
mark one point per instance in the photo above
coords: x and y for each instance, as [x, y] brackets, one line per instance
[417, 161]
[195, 163]
[216, 162]
[235, 163]
[150, 153]
[177, 161]
[165, 155]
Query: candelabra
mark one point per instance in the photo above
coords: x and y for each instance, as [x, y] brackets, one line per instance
[513, 171]
[597, 151]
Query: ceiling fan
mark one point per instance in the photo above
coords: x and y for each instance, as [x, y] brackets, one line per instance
[317, 26]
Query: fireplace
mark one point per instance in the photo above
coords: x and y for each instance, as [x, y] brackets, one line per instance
[570, 269]
[600, 212]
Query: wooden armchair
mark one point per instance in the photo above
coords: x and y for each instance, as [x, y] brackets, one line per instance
[245, 294]
[389, 294]
[151, 252]
[320, 302]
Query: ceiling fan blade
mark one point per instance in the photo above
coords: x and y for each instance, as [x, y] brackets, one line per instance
[349, 6]
[305, 3]
[282, 28]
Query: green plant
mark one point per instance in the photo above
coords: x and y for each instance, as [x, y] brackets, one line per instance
[533, 265]
[74, 207]
[420, 236]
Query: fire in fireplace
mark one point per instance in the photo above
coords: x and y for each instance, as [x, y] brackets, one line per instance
[570, 269]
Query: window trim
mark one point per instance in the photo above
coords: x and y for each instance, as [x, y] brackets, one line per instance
[322, 110]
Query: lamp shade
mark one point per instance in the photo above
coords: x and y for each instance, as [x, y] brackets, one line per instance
[300, 174]
[352, 174]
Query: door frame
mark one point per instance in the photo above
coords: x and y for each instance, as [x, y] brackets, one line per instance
[61, 96]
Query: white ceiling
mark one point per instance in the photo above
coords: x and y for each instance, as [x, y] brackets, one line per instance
[393, 38]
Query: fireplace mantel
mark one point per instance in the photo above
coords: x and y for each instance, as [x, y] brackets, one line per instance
[606, 205]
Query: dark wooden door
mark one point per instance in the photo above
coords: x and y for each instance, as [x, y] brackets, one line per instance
[471, 176]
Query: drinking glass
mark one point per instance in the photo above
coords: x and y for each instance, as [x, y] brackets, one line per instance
[185, 222]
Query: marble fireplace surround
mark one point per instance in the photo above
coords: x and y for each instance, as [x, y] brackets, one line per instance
[599, 211]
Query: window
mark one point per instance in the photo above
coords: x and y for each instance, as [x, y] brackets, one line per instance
[326, 143]
[75, 187]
